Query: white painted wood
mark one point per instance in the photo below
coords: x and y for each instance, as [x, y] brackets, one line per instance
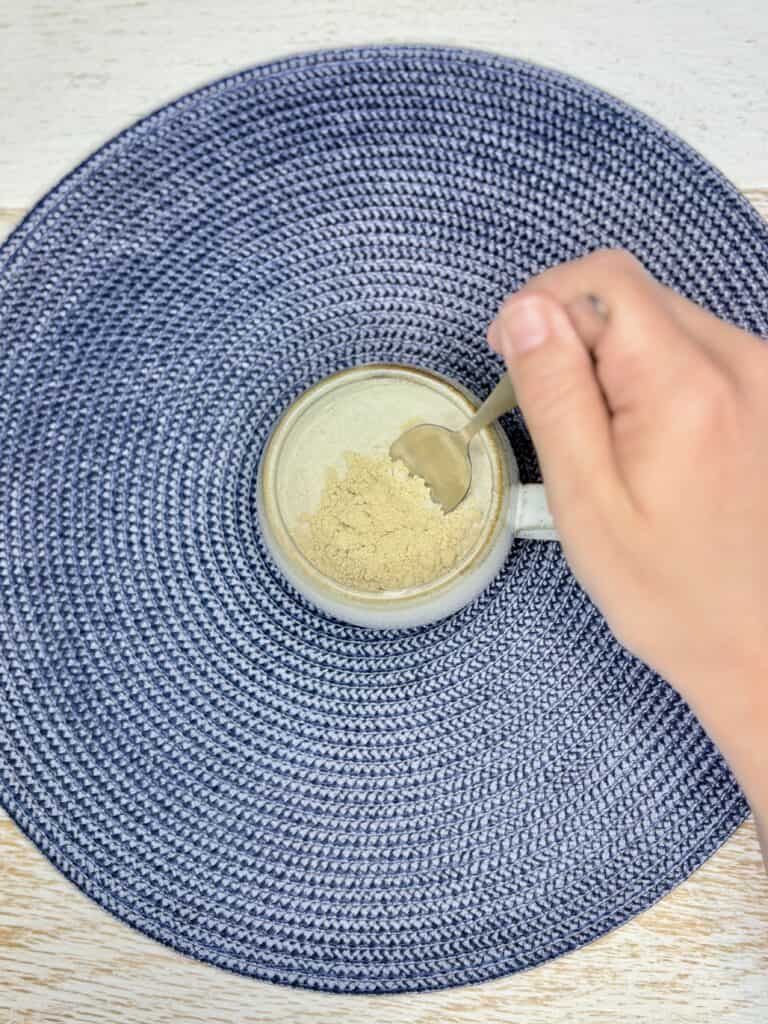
[73, 73]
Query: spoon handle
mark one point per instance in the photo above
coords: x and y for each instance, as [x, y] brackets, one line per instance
[502, 399]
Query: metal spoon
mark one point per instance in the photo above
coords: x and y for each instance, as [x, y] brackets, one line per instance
[441, 456]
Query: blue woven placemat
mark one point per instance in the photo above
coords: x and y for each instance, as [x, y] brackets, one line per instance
[204, 754]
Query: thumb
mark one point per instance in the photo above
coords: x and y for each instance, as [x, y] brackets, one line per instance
[560, 397]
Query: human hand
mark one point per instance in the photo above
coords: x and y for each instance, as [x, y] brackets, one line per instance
[653, 443]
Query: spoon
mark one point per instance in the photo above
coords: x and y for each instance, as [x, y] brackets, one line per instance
[440, 456]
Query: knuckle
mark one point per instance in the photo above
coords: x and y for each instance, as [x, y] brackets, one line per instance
[534, 300]
[614, 261]
[616, 268]
[711, 397]
[624, 367]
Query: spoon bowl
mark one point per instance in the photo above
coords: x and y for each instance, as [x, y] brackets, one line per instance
[441, 456]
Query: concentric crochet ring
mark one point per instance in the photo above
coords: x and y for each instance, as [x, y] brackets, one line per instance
[204, 754]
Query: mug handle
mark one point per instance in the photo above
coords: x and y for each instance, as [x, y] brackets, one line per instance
[533, 520]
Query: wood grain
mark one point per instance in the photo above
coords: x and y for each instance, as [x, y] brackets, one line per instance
[9, 218]
[759, 199]
[699, 955]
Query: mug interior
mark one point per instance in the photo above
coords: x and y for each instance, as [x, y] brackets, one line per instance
[363, 410]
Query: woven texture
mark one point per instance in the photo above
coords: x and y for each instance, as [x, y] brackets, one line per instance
[203, 753]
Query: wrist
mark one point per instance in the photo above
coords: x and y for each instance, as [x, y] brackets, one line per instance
[733, 708]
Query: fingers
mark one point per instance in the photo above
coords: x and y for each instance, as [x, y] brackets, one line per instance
[590, 317]
[717, 336]
[620, 282]
[606, 273]
[560, 398]
[641, 348]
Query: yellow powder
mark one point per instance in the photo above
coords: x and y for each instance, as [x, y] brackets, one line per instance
[377, 528]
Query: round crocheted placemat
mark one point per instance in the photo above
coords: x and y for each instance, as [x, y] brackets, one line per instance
[203, 753]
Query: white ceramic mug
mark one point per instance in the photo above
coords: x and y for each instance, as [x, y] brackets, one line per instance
[287, 486]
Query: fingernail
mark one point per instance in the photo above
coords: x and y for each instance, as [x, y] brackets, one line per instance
[521, 326]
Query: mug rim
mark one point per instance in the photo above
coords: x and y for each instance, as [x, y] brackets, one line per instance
[361, 607]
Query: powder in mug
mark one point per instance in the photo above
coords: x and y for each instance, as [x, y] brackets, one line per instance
[377, 528]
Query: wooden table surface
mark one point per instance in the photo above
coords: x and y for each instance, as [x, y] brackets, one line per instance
[72, 74]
